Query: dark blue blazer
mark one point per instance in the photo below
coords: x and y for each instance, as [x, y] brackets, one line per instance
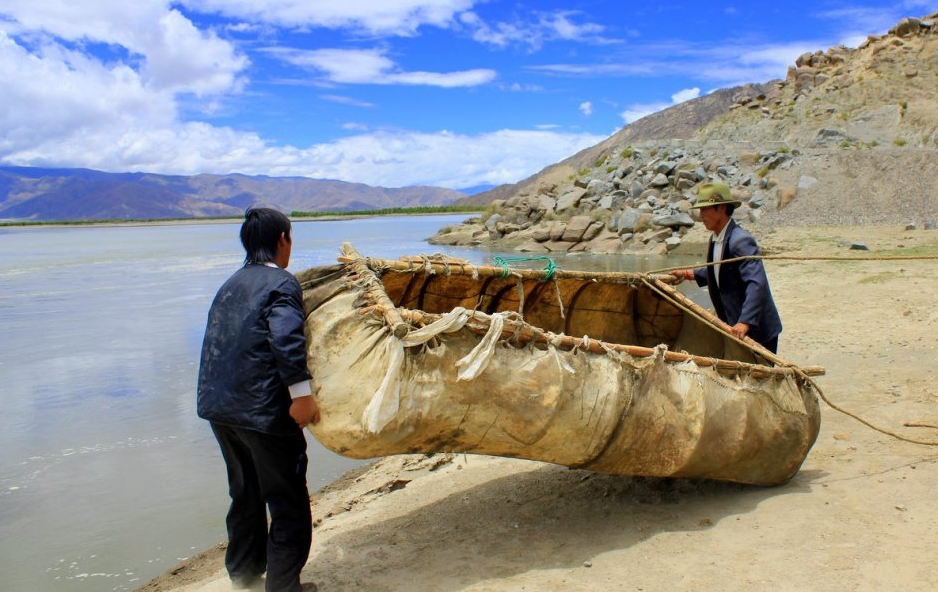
[254, 349]
[743, 295]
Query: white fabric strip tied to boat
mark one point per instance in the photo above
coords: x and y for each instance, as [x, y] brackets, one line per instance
[487, 382]
[384, 403]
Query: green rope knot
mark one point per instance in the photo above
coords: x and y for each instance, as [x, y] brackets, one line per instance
[549, 269]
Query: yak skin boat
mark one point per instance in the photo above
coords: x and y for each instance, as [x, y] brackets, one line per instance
[612, 372]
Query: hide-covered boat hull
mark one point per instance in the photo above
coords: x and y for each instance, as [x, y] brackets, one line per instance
[423, 356]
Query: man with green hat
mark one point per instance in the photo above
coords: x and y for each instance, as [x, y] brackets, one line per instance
[739, 290]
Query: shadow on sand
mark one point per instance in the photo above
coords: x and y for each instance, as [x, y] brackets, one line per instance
[547, 518]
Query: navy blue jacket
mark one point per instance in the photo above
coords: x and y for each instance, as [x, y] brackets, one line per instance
[254, 348]
[743, 295]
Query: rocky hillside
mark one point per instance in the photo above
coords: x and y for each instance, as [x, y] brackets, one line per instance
[679, 121]
[849, 137]
[28, 193]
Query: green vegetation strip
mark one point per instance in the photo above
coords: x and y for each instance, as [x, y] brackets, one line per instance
[295, 214]
[393, 211]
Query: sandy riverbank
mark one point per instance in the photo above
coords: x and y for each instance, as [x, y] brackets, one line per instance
[860, 515]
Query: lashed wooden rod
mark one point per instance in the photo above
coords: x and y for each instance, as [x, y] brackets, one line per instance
[700, 312]
[464, 268]
[525, 333]
[375, 289]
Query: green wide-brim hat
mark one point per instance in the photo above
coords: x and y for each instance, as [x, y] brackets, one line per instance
[714, 194]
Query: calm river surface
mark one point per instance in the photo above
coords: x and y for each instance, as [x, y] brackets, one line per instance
[107, 477]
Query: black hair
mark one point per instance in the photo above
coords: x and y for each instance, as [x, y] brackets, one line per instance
[730, 208]
[260, 234]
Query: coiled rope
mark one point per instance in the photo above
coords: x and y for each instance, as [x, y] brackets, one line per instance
[504, 262]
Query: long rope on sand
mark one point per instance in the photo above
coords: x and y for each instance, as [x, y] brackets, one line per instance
[798, 258]
[805, 377]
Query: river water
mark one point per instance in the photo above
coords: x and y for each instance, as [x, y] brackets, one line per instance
[107, 476]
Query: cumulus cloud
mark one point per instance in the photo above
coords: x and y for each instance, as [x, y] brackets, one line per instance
[372, 66]
[173, 54]
[586, 108]
[638, 110]
[397, 158]
[534, 33]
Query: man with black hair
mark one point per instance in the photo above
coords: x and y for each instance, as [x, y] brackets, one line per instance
[739, 290]
[254, 388]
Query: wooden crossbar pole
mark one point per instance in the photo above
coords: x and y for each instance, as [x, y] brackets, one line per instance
[524, 333]
[451, 267]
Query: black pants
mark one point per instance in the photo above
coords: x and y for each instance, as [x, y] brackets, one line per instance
[266, 470]
[771, 344]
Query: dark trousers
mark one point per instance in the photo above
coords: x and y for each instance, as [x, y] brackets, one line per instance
[771, 344]
[266, 470]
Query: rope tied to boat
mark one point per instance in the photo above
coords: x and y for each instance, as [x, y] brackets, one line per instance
[504, 262]
[666, 270]
[799, 371]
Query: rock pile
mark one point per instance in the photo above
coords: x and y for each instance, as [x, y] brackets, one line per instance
[852, 134]
[633, 200]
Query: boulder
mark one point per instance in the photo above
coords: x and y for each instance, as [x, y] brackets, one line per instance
[627, 220]
[606, 245]
[643, 223]
[557, 230]
[546, 203]
[906, 27]
[684, 184]
[598, 187]
[576, 227]
[658, 248]
[741, 214]
[673, 220]
[636, 189]
[649, 195]
[541, 234]
[532, 247]
[656, 235]
[570, 199]
[557, 246]
[664, 168]
[592, 231]
[659, 180]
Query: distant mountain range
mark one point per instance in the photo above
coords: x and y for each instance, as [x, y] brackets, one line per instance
[45, 194]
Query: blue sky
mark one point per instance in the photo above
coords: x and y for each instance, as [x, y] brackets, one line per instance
[455, 93]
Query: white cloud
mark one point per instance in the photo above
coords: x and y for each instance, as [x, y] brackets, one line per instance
[543, 28]
[173, 54]
[637, 111]
[586, 108]
[371, 66]
[518, 87]
[48, 120]
[685, 95]
[394, 17]
[343, 100]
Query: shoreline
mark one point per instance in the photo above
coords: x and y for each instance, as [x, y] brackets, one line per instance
[199, 221]
[858, 515]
